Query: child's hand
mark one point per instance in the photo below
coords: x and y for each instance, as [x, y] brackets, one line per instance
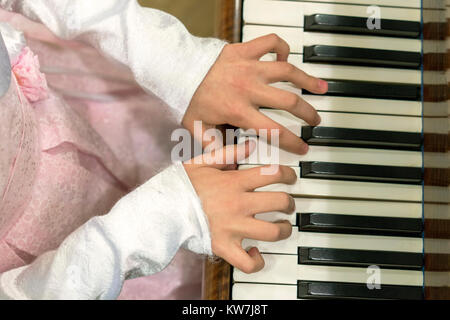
[238, 84]
[230, 203]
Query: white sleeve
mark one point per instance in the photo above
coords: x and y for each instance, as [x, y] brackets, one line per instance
[139, 237]
[164, 57]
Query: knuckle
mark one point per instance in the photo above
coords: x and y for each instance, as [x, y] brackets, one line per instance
[284, 44]
[218, 247]
[235, 111]
[249, 267]
[243, 208]
[273, 37]
[288, 47]
[278, 174]
[287, 68]
[234, 50]
[229, 48]
[242, 71]
[274, 232]
[310, 80]
[241, 84]
[292, 101]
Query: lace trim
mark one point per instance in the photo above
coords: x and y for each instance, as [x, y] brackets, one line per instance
[22, 139]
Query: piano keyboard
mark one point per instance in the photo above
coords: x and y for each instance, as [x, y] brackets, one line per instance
[359, 191]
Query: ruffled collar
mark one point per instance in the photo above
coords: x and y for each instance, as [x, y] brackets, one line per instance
[14, 41]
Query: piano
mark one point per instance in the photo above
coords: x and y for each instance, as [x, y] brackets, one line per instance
[372, 218]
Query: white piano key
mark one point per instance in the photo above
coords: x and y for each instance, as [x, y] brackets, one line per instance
[364, 208]
[336, 241]
[284, 269]
[356, 105]
[268, 154]
[292, 13]
[345, 120]
[386, 3]
[341, 72]
[346, 189]
[347, 207]
[297, 39]
[256, 291]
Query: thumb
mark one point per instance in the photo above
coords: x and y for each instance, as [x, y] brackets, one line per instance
[224, 157]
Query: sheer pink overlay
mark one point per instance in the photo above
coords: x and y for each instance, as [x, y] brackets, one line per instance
[72, 155]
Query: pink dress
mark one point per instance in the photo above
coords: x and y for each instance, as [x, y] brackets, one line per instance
[73, 155]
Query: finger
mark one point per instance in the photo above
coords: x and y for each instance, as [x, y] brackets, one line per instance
[224, 158]
[266, 128]
[251, 179]
[261, 202]
[268, 96]
[258, 47]
[247, 262]
[266, 231]
[284, 71]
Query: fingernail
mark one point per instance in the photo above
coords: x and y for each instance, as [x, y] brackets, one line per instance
[304, 149]
[318, 119]
[323, 85]
[292, 204]
[253, 252]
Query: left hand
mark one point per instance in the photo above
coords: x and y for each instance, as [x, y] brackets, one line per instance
[230, 203]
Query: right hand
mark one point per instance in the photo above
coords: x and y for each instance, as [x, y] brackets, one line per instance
[239, 83]
[230, 203]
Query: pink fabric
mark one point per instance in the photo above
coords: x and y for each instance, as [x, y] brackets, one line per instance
[72, 155]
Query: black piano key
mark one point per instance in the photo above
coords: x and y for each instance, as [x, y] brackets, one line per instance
[360, 138]
[358, 25]
[374, 90]
[353, 224]
[362, 57]
[358, 172]
[343, 290]
[360, 258]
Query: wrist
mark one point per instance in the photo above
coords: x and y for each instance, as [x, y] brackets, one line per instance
[195, 215]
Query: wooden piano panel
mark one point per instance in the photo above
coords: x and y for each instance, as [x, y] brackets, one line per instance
[217, 275]
[436, 208]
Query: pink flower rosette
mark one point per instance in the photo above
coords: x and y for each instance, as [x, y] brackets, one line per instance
[31, 80]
